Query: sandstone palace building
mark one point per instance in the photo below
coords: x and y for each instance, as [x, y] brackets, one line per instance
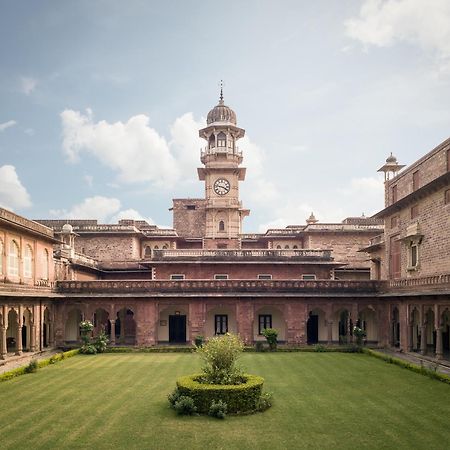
[147, 286]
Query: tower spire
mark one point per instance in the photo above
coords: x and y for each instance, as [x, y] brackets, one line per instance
[221, 93]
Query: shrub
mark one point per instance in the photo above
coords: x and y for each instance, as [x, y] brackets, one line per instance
[238, 397]
[88, 349]
[218, 409]
[173, 397]
[101, 342]
[32, 367]
[265, 401]
[360, 334]
[271, 334]
[320, 348]
[185, 406]
[219, 356]
[199, 340]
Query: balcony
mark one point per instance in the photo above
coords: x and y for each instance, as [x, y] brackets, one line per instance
[188, 288]
[421, 285]
[242, 255]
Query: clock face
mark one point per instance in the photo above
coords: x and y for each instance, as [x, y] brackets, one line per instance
[221, 186]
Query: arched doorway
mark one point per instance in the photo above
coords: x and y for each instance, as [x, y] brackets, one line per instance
[342, 326]
[125, 327]
[395, 328]
[46, 328]
[430, 332]
[72, 328]
[12, 332]
[367, 320]
[101, 322]
[27, 330]
[415, 330]
[446, 332]
[315, 327]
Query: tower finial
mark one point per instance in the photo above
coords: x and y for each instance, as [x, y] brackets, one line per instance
[221, 93]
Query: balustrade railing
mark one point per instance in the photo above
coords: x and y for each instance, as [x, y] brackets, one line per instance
[429, 282]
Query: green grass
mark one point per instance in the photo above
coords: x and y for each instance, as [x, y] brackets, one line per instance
[322, 400]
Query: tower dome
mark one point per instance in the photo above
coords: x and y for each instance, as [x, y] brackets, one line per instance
[221, 113]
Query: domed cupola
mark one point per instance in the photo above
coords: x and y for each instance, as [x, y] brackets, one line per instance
[221, 113]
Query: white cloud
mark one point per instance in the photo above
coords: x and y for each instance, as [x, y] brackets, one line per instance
[89, 180]
[12, 192]
[28, 85]
[131, 214]
[6, 125]
[29, 131]
[384, 23]
[133, 149]
[97, 207]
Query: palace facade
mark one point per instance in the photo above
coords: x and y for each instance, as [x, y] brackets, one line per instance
[146, 286]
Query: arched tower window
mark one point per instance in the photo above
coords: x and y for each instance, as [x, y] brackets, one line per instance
[147, 252]
[221, 225]
[46, 267]
[28, 262]
[221, 139]
[286, 247]
[164, 247]
[13, 259]
[212, 141]
[230, 142]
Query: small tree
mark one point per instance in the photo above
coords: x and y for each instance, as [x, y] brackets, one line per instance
[219, 356]
[271, 334]
[86, 328]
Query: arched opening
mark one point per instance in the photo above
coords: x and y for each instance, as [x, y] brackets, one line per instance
[46, 328]
[220, 320]
[295, 247]
[101, 322]
[395, 328]
[13, 259]
[12, 331]
[212, 141]
[316, 327]
[28, 262]
[286, 247]
[278, 247]
[430, 332]
[445, 321]
[221, 225]
[367, 321]
[164, 247]
[27, 330]
[147, 252]
[269, 317]
[72, 328]
[221, 139]
[342, 326]
[125, 327]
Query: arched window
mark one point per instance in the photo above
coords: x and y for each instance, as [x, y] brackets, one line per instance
[286, 247]
[164, 247]
[295, 247]
[46, 266]
[156, 247]
[221, 225]
[28, 262]
[278, 247]
[221, 140]
[212, 141]
[230, 142]
[13, 259]
[147, 252]
[1, 256]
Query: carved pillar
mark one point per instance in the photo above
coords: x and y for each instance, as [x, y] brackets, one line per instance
[423, 340]
[330, 332]
[439, 349]
[19, 340]
[122, 317]
[33, 337]
[112, 333]
[3, 345]
[410, 337]
[50, 334]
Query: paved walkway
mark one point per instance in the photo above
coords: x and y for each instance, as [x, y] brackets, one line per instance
[442, 366]
[13, 361]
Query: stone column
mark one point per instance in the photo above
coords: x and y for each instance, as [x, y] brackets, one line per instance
[112, 333]
[3, 345]
[439, 349]
[19, 341]
[330, 332]
[244, 319]
[33, 338]
[50, 335]
[423, 340]
[410, 337]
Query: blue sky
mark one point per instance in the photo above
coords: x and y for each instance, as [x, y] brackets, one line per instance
[100, 102]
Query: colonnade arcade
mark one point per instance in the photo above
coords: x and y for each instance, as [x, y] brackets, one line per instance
[25, 327]
[141, 322]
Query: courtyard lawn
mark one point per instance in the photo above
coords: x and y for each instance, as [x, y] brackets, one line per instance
[322, 400]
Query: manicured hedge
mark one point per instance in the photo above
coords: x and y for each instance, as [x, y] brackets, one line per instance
[42, 363]
[150, 349]
[406, 365]
[240, 398]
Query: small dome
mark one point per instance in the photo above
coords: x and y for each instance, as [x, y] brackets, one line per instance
[67, 228]
[391, 159]
[221, 113]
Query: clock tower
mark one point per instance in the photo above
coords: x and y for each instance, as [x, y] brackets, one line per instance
[222, 174]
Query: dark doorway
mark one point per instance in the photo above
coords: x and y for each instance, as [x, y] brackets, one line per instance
[177, 329]
[24, 337]
[445, 338]
[312, 329]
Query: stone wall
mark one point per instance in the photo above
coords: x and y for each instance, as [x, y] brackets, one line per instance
[109, 247]
[189, 217]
